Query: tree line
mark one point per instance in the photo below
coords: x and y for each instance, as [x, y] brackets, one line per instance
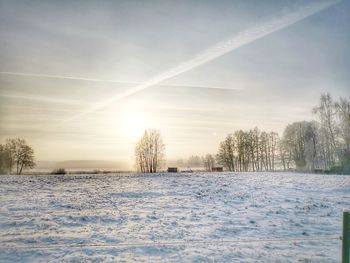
[252, 150]
[322, 144]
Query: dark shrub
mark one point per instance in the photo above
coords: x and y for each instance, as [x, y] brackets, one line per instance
[59, 171]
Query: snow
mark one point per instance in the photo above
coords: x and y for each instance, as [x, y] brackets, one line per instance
[116, 209]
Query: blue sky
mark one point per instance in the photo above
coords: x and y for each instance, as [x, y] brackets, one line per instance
[275, 80]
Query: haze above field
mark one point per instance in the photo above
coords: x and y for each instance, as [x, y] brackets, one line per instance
[55, 56]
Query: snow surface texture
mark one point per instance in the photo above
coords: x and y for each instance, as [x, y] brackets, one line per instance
[114, 209]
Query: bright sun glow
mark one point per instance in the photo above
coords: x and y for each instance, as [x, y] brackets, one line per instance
[134, 124]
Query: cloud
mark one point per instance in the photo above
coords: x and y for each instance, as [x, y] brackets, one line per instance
[41, 98]
[240, 39]
[220, 49]
[40, 75]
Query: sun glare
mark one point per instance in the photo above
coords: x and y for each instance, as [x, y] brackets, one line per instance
[134, 124]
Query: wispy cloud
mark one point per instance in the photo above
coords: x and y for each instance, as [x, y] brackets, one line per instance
[220, 49]
[53, 76]
[40, 98]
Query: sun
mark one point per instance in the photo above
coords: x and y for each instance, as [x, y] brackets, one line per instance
[134, 124]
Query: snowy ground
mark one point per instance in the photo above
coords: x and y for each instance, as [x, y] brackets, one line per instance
[63, 211]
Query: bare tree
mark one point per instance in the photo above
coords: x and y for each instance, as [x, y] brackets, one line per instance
[20, 155]
[343, 112]
[209, 162]
[333, 138]
[300, 138]
[273, 140]
[326, 114]
[263, 149]
[226, 155]
[149, 151]
[4, 160]
[285, 154]
[249, 151]
[254, 148]
[305, 145]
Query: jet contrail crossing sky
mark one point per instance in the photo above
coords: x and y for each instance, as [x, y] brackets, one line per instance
[240, 39]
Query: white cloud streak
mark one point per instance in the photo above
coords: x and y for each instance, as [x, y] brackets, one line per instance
[40, 75]
[40, 98]
[220, 49]
[53, 76]
[240, 39]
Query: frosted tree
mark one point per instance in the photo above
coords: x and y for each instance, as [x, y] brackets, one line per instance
[334, 131]
[4, 160]
[273, 140]
[209, 162]
[19, 155]
[285, 154]
[343, 115]
[249, 151]
[300, 139]
[254, 148]
[326, 114]
[226, 154]
[150, 152]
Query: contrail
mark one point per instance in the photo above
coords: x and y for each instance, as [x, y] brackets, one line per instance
[221, 48]
[63, 77]
[40, 98]
[53, 76]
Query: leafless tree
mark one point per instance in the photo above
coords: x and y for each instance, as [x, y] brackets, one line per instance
[209, 162]
[254, 148]
[226, 155]
[20, 155]
[305, 145]
[334, 131]
[343, 115]
[300, 138]
[149, 152]
[285, 154]
[4, 160]
[343, 112]
[249, 151]
[326, 114]
[273, 140]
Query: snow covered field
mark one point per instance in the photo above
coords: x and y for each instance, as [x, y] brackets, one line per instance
[55, 214]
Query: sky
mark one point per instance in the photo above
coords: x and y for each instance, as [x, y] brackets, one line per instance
[81, 80]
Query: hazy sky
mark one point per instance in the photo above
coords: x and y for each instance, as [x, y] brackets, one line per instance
[269, 82]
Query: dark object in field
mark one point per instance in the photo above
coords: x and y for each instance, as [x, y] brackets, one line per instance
[172, 170]
[217, 169]
[59, 171]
